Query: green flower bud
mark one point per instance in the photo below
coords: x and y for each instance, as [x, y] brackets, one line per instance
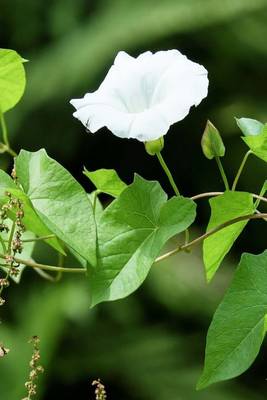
[211, 142]
[154, 146]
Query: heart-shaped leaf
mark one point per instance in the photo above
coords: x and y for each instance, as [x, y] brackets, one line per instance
[131, 233]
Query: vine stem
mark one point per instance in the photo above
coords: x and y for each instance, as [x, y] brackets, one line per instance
[183, 247]
[209, 233]
[168, 173]
[5, 136]
[213, 194]
[240, 169]
[223, 175]
[33, 264]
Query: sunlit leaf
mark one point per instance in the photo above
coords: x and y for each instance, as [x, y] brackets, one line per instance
[131, 233]
[59, 200]
[12, 79]
[31, 220]
[258, 144]
[106, 181]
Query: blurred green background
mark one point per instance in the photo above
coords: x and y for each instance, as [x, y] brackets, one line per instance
[151, 345]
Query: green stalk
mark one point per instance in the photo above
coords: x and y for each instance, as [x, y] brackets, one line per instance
[168, 173]
[223, 175]
[241, 169]
[5, 136]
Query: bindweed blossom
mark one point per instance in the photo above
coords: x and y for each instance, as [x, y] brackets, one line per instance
[142, 97]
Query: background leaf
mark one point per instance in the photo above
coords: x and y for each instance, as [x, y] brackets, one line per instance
[223, 208]
[237, 329]
[12, 79]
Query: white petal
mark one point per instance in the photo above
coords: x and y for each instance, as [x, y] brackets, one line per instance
[141, 97]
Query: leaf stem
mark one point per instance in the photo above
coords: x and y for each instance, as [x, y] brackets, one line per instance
[240, 169]
[168, 173]
[222, 172]
[5, 136]
[209, 233]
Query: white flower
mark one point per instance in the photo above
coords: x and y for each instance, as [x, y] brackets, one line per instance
[142, 97]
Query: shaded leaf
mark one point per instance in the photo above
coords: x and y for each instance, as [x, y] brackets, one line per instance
[249, 127]
[237, 329]
[131, 233]
[223, 208]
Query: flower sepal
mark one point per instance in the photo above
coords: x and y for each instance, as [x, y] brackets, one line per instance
[154, 146]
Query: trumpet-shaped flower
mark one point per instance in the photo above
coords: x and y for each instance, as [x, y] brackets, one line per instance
[142, 97]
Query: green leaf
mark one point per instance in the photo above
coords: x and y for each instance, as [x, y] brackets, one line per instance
[6, 182]
[249, 127]
[258, 144]
[106, 181]
[25, 254]
[131, 233]
[237, 329]
[223, 208]
[12, 79]
[31, 220]
[59, 201]
[211, 142]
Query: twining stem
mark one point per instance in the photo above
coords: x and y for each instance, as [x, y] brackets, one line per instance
[223, 175]
[5, 136]
[33, 264]
[241, 169]
[183, 247]
[262, 193]
[168, 173]
[213, 194]
[209, 233]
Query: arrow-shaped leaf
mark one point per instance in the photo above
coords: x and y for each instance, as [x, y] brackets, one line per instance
[237, 329]
[223, 208]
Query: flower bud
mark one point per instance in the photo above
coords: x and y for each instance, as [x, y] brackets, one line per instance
[154, 146]
[211, 142]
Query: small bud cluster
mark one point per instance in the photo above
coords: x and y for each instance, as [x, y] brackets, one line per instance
[12, 205]
[100, 391]
[35, 369]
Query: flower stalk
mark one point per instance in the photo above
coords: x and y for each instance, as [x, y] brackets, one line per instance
[168, 173]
